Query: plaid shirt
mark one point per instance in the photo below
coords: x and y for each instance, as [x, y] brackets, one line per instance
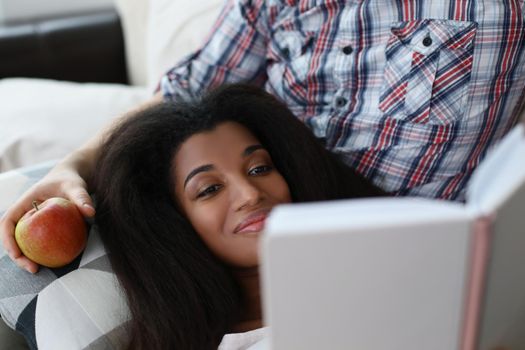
[412, 93]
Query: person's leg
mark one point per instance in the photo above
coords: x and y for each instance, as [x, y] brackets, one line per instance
[10, 339]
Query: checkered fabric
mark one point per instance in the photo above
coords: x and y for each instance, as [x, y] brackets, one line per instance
[412, 93]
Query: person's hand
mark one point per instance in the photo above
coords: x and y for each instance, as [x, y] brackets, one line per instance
[62, 181]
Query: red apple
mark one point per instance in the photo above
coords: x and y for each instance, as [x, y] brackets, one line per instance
[53, 233]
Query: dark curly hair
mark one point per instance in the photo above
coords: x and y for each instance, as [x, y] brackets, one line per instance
[179, 294]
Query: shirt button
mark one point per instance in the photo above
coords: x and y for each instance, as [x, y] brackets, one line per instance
[286, 52]
[427, 41]
[340, 102]
[347, 50]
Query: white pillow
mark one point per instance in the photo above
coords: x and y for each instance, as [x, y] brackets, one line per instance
[44, 119]
[133, 18]
[158, 33]
[175, 29]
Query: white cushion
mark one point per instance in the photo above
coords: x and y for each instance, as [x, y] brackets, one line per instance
[175, 29]
[133, 17]
[158, 33]
[44, 119]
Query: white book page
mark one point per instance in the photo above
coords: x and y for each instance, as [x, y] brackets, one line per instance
[499, 175]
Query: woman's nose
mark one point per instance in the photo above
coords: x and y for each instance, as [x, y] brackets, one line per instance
[246, 194]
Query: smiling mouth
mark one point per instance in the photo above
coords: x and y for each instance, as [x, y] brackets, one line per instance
[252, 224]
[253, 227]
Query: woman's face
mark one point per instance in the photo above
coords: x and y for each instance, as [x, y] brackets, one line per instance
[226, 185]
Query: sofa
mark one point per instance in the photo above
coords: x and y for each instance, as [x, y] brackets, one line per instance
[63, 79]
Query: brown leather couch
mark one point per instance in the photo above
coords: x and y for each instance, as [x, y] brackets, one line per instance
[83, 48]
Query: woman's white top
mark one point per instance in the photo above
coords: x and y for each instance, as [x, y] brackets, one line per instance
[252, 340]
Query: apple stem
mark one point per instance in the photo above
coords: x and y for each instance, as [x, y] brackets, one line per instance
[35, 205]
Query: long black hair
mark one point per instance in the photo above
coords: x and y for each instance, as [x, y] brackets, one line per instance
[179, 294]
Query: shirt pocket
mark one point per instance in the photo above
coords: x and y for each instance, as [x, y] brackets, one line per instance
[427, 71]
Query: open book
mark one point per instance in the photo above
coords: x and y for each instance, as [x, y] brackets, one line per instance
[403, 273]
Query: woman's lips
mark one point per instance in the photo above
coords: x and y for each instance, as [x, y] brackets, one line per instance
[252, 223]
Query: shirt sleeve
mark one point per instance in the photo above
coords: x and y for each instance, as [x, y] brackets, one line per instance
[234, 52]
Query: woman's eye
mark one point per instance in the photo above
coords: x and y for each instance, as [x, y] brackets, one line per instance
[260, 170]
[208, 191]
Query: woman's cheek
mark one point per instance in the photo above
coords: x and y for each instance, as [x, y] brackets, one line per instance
[208, 220]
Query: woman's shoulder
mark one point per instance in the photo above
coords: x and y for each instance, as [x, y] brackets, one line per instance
[252, 340]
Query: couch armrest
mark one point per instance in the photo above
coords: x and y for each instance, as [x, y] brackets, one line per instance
[83, 48]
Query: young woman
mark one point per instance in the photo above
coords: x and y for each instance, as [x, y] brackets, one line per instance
[183, 190]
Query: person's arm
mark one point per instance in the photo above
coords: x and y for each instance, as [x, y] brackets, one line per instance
[235, 51]
[68, 179]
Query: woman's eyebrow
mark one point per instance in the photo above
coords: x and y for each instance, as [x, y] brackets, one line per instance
[207, 167]
[250, 149]
[197, 170]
